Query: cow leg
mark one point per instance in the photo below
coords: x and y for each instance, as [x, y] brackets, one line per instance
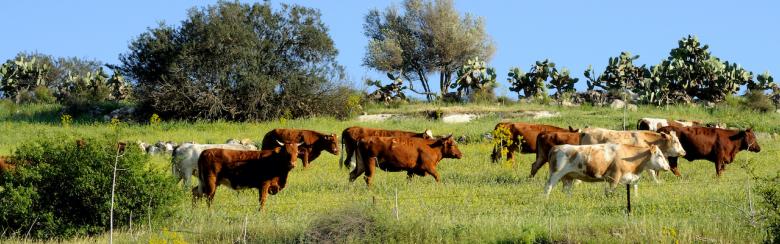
[210, 188]
[186, 175]
[409, 175]
[540, 160]
[636, 188]
[510, 154]
[654, 175]
[719, 165]
[568, 183]
[370, 170]
[264, 193]
[433, 173]
[554, 178]
[673, 165]
[356, 171]
[305, 158]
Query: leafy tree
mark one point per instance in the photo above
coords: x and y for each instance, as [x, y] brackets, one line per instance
[693, 69]
[23, 74]
[387, 93]
[475, 77]
[620, 73]
[424, 38]
[239, 62]
[562, 82]
[532, 83]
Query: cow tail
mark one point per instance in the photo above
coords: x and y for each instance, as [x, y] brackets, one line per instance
[201, 177]
[341, 154]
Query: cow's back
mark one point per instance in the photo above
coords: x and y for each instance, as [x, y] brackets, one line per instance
[529, 133]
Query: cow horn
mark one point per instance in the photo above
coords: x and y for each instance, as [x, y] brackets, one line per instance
[280, 143]
[299, 144]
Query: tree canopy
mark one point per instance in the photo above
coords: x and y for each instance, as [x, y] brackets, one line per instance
[237, 61]
[426, 37]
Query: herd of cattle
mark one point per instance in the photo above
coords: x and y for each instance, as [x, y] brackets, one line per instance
[589, 154]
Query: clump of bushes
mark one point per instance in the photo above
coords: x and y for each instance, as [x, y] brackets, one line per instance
[61, 188]
[758, 101]
[769, 189]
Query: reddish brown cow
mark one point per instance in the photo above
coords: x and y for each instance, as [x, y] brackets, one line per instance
[313, 142]
[546, 141]
[266, 170]
[719, 146]
[527, 143]
[5, 165]
[351, 135]
[414, 155]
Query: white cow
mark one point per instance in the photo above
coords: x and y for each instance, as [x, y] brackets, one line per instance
[653, 124]
[184, 162]
[612, 163]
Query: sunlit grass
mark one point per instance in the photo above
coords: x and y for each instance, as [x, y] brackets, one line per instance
[477, 201]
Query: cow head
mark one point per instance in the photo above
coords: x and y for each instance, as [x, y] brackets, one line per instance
[749, 141]
[672, 145]
[657, 159]
[290, 150]
[330, 143]
[449, 147]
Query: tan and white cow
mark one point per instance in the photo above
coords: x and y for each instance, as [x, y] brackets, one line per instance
[669, 143]
[611, 163]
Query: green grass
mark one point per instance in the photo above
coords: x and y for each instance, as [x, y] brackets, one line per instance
[477, 201]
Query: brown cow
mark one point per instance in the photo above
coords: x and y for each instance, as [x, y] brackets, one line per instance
[351, 135]
[266, 170]
[313, 142]
[719, 146]
[527, 144]
[414, 155]
[5, 165]
[546, 141]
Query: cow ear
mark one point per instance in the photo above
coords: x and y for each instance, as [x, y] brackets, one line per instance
[277, 149]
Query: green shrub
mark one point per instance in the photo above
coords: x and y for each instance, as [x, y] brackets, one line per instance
[769, 189]
[758, 101]
[61, 188]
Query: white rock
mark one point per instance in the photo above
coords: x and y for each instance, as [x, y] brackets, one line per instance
[374, 117]
[458, 118]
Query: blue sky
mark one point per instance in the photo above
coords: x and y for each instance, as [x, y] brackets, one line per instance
[573, 34]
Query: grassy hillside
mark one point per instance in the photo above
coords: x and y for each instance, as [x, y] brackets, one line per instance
[477, 201]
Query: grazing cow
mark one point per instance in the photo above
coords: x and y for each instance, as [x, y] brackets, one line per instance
[527, 143]
[351, 135]
[266, 170]
[668, 141]
[653, 124]
[613, 163]
[313, 142]
[546, 141]
[719, 146]
[184, 162]
[414, 155]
